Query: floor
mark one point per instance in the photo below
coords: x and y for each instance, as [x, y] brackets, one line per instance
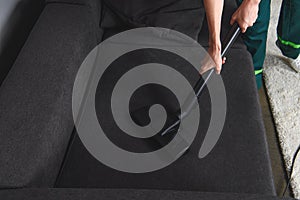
[279, 172]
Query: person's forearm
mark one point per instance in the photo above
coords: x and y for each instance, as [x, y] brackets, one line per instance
[214, 9]
[254, 1]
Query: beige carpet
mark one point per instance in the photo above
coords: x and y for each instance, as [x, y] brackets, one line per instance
[283, 89]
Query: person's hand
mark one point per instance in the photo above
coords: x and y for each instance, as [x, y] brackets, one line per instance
[246, 14]
[213, 59]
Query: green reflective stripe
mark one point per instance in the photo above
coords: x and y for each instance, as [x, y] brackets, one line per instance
[259, 71]
[288, 43]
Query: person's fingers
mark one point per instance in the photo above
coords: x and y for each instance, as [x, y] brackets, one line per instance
[203, 69]
[233, 19]
[243, 26]
[210, 65]
[241, 23]
[250, 24]
[223, 60]
[218, 68]
[206, 65]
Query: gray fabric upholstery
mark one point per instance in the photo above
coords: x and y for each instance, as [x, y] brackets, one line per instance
[109, 194]
[94, 6]
[17, 18]
[35, 98]
[36, 121]
[238, 163]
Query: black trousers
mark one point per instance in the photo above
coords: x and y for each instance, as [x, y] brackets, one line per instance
[185, 16]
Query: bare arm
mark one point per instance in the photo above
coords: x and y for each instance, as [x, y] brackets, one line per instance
[214, 9]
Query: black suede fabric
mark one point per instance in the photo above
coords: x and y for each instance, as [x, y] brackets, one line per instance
[109, 194]
[35, 98]
[239, 163]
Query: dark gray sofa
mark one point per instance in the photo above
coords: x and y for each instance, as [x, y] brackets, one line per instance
[39, 147]
[17, 18]
[126, 194]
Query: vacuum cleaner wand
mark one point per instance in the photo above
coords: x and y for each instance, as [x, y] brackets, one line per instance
[199, 86]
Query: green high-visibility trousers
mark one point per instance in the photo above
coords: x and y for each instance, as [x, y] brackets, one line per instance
[256, 38]
[288, 29]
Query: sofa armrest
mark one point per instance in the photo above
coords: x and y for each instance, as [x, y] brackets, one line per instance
[17, 18]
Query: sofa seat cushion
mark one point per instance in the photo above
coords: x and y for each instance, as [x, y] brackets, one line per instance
[239, 163]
